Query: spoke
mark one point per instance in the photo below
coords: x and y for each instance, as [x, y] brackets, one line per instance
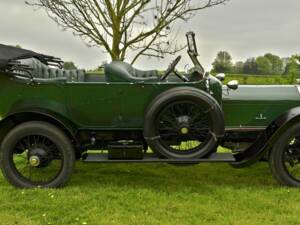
[200, 129]
[169, 120]
[200, 114]
[180, 115]
[200, 137]
[196, 116]
[200, 121]
[44, 148]
[168, 134]
[175, 112]
[21, 147]
[166, 129]
[27, 142]
[167, 125]
[180, 109]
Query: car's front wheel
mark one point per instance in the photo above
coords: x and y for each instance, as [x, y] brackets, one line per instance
[37, 154]
[284, 158]
[183, 123]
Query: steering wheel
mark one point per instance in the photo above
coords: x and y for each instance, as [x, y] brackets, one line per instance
[171, 68]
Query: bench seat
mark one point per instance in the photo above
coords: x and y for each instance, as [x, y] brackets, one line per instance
[42, 71]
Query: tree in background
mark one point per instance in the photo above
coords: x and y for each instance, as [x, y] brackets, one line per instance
[238, 67]
[142, 27]
[69, 66]
[293, 68]
[222, 63]
[101, 67]
[250, 66]
[276, 63]
[16, 46]
[264, 66]
[293, 64]
[268, 64]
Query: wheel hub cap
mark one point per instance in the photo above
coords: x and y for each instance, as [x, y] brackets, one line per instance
[184, 130]
[34, 161]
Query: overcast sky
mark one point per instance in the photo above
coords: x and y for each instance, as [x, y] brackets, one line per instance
[245, 28]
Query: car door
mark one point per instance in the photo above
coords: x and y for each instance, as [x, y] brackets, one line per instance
[95, 104]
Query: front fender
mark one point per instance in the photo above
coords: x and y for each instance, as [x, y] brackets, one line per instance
[267, 139]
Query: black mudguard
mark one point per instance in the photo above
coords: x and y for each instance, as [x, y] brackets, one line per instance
[37, 114]
[267, 139]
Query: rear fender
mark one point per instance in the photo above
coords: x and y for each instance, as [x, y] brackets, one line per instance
[36, 114]
[267, 138]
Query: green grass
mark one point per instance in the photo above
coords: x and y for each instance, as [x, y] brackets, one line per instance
[155, 194]
[259, 79]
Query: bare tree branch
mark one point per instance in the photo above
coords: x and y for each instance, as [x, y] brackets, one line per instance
[144, 27]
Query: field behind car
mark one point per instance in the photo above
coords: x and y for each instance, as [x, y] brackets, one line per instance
[260, 79]
[155, 194]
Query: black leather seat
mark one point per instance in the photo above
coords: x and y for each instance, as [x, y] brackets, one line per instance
[42, 71]
[118, 71]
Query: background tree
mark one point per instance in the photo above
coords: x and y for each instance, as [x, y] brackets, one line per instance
[293, 68]
[16, 46]
[238, 67]
[250, 66]
[276, 63]
[222, 63]
[120, 26]
[69, 66]
[264, 66]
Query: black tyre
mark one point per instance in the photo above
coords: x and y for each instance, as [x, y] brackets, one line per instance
[183, 123]
[37, 154]
[284, 158]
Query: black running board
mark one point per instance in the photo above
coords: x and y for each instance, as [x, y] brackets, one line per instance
[151, 158]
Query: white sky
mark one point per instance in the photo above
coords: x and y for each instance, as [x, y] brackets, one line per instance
[245, 28]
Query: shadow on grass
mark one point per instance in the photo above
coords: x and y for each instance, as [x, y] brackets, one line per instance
[169, 178]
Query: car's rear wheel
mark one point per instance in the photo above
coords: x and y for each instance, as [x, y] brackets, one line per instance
[183, 123]
[37, 154]
[284, 158]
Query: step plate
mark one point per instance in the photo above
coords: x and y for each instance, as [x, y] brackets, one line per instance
[151, 158]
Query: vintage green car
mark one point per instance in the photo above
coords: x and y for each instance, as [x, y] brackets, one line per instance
[49, 117]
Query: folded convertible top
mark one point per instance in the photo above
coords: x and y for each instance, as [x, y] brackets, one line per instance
[9, 54]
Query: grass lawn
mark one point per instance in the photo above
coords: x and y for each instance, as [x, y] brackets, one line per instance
[259, 79]
[155, 194]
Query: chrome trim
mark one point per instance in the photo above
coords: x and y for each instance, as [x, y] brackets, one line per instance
[266, 85]
[246, 129]
[261, 117]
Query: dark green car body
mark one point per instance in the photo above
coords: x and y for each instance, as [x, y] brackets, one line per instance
[122, 105]
[88, 105]
[257, 107]
[112, 108]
